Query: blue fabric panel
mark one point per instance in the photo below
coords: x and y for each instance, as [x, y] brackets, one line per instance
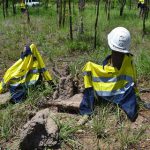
[18, 93]
[86, 106]
[34, 71]
[115, 79]
[42, 70]
[127, 101]
[105, 62]
[87, 73]
[26, 53]
[115, 92]
[129, 104]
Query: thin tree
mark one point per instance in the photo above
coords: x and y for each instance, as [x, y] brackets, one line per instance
[130, 4]
[70, 20]
[122, 4]
[96, 22]
[81, 6]
[107, 8]
[6, 7]
[3, 5]
[60, 13]
[27, 14]
[57, 6]
[145, 15]
[14, 7]
[28, 17]
[73, 7]
[46, 4]
[64, 12]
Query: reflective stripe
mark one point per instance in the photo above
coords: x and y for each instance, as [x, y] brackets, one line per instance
[28, 83]
[15, 84]
[108, 79]
[115, 92]
[115, 79]
[32, 82]
[33, 71]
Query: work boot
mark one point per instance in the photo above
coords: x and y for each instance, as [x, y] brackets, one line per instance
[147, 105]
[83, 120]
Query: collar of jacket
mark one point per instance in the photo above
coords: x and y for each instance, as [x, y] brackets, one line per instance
[26, 53]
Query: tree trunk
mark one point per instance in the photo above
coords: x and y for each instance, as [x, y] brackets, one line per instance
[46, 4]
[81, 6]
[145, 15]
[6, 7]
[57, 6]
[73, 6]
[107, 8]
[60, 13]
[96, 22]
[28, 15]
[95, 5]
[123, 2]
[14, 7]
[3, 3]
[144, 28]
[70, 19]
[64, 12]
[130, 4]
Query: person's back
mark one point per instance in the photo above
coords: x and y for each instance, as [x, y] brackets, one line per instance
[27, 72]
[23, 7]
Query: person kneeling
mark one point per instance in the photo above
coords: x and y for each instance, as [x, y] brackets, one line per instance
[27, 72]
[115, 80]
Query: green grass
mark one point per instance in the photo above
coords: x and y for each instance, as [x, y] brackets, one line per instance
[143, 64]
[113, 129]
[100, 121]
[54, 41]
[128, 137]
[67, 130]
[14, 116]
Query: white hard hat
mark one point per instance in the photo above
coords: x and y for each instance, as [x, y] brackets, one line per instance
[119, 40]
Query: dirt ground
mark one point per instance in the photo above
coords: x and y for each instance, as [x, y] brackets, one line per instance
[86, 139]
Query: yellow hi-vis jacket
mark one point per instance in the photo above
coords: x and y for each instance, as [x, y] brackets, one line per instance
[107, 80]
[111, 84]
[26, 70]
[141, 1]
[22, 5]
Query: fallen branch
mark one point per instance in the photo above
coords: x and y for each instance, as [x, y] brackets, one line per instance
[56, 73]
[144, 90]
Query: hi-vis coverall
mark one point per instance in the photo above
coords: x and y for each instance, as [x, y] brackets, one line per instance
[141, 1]
[109, 83]
[24, 73]
[22, 5]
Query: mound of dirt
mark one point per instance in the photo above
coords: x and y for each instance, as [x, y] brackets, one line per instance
[68, 85]
[41, 131]
[4, 98]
